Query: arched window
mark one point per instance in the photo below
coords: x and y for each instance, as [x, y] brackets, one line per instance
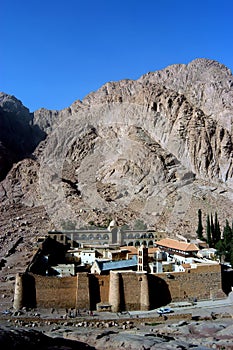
[150, 244]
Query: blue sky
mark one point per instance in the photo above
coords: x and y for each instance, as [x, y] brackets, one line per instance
[54, 52]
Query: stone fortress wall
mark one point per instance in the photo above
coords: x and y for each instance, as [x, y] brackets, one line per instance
[120, 290]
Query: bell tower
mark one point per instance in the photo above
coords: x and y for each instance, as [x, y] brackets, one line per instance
[142, 259]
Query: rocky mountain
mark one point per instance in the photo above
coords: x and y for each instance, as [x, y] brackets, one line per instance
[154, 150]
[18, 136]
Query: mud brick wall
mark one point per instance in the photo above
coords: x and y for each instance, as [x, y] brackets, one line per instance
[83, 291]
[201, 283]
[103, 283]
[130, 291]
[55, 291]
[127, 290]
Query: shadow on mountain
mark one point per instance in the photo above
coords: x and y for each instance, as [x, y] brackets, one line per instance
[18, 139]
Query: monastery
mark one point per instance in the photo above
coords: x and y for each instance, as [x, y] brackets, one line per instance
[116, 271]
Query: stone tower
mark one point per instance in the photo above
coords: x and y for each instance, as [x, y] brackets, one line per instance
[143, 259]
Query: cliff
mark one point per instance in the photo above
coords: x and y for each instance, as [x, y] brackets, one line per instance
[156, 149]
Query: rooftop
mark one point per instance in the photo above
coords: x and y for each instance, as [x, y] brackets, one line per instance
[178, 245]
[121, 264]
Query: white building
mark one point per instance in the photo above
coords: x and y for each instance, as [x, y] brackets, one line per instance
[88, 256]
[208, 253]
[63, 270]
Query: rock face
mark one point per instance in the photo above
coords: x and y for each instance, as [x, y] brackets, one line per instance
[18, 136]
[156, 149]
[150, 148]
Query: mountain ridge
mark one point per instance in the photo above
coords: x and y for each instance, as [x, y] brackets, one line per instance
[150, 148]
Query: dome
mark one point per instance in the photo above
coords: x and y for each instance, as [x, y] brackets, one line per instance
[111, 225]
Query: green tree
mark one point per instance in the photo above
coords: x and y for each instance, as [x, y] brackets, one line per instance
[223, 245]
[221, 249]
[200, 226]
[217, 231]
[231, 256]
[227, 234]
[208, 231]
[139, 225]
[227, 239]
[212, 228]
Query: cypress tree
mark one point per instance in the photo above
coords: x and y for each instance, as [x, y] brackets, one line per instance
[217, 231]
[212, 228]
[231, 249]
[200, 227]
[231, 258]
[224, 246]
[208, 231]
[221, 249]
[227, 235]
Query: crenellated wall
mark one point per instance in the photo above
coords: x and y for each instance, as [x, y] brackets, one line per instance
[123, 290]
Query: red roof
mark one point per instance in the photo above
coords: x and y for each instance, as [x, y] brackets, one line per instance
[134, 250]
[177, 245]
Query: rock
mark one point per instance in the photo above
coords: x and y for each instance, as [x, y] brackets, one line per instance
[105, 333]
[176, 141]
[18, 137]
[19, 338]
